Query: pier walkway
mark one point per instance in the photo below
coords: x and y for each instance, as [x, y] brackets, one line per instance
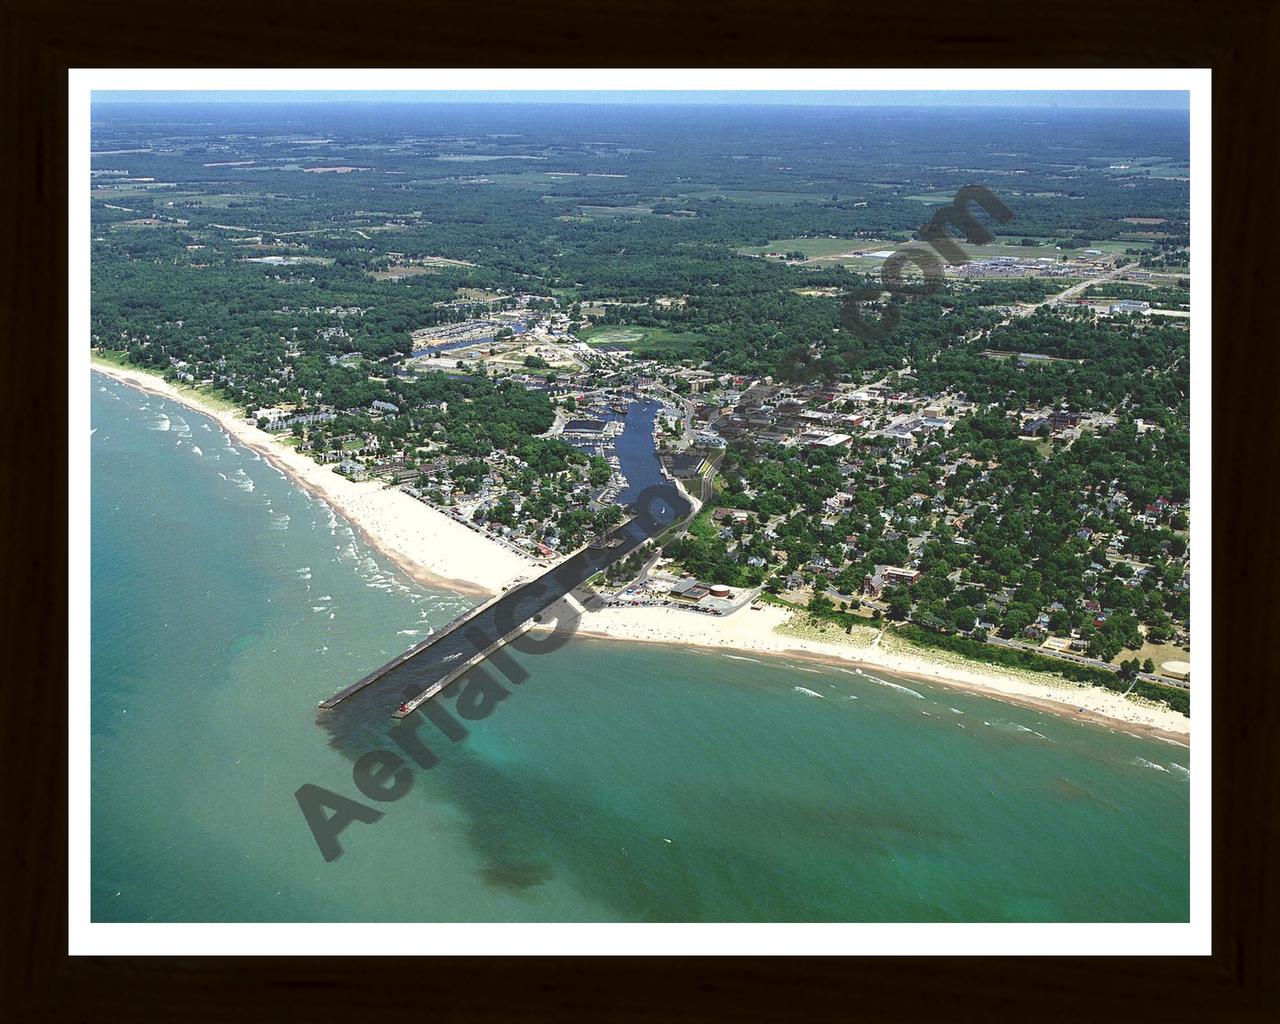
[435, 662]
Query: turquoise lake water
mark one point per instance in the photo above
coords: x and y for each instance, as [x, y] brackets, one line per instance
[618, 783]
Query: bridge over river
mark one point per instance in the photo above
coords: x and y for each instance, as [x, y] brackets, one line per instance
[428, 667]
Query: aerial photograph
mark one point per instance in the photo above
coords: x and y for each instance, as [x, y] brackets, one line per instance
[668, 507]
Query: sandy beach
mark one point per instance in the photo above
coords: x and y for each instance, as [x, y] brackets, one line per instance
[438, 551]
[431, 547]
[771, 630]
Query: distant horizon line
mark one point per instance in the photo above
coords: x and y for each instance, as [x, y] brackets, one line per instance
[1084, 99]
[607, 103]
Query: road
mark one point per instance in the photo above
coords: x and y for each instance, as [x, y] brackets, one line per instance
[1082, 660]
[686, 415]
[1077, 289]
[708, 480]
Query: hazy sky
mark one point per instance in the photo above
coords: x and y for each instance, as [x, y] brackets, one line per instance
[1136, 99]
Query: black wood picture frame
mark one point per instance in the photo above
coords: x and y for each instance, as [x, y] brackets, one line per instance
[1239, 39]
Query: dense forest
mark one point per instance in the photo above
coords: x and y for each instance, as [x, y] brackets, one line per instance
[653, 205]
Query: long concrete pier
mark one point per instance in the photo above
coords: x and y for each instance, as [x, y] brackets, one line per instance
[432, 664]
[412, 705]
[412, 652]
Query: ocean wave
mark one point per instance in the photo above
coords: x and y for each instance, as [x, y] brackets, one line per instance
[956, 711]
[894, 686]
[1178, 769]
[408, 632]
[161, 424]
[319, 607]
[196, 448]
[807, 692]
[1142, 762]
[800, 668]
[738, 657]
[1004, 726]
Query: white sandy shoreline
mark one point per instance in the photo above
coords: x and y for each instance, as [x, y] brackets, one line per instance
[764, 631]
[437, 551]
[432, 548]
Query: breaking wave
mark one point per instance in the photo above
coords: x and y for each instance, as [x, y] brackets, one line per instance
[894, 686]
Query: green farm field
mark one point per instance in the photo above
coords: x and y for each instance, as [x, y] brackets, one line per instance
[640, 339]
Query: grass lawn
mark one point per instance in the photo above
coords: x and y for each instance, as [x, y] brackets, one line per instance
[640, 339]
[754, 197]
[1111, 246]
[820, 248]
[1158, 653]
[933, 197]
[614, 211]
[217, 202]
[211, 397]
[113, 358]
